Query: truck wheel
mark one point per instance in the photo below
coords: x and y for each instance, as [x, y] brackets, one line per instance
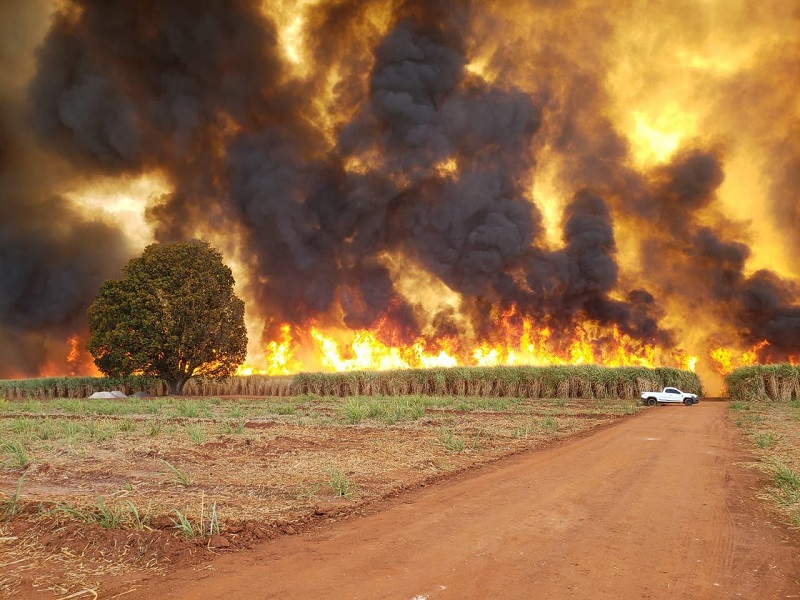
[688, 401]
[651, 402]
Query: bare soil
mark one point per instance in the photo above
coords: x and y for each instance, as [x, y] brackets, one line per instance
[265, 467]
[656, 506]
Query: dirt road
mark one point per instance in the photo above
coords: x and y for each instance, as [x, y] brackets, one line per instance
[657, 506]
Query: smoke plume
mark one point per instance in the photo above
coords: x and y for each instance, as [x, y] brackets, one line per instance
[339, 149]
[52, 258]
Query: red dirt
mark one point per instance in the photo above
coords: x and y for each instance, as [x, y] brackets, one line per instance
[657, 506]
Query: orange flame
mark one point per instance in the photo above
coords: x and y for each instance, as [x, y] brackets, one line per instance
[77, 362]
[684, 360]
[516, 340]
[74, 355]
[726, 361]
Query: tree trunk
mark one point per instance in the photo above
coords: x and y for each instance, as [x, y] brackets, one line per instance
[176, 384]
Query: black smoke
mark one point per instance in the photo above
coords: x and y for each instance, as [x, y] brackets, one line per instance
[708, 266]
[423, 159]
[53, 258]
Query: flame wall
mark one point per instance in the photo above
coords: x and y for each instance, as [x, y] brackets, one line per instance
[450, 178]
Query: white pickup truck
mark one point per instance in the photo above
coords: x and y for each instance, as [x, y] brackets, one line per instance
[669, 395]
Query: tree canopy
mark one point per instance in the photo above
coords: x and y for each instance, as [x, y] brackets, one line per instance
[174, 315]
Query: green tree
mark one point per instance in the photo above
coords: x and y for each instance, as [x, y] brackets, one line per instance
[173, 315]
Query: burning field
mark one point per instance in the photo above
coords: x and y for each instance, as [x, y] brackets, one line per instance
[412, 184]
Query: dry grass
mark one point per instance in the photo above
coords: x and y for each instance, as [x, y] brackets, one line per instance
[773, 430]
[262, 464]
[30, 568]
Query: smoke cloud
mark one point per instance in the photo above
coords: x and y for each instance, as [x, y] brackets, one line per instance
[420, 130]
[52, 258]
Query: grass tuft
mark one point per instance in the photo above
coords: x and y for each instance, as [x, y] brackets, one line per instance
[179, 477]
[233, 426]
[521, 432]
[764, 440]
[451, 442]
[340, 484]
[196, 433]
[183, 525]
[787, 482]
[355, 410]
[19, 457]
[550, 424]
[154, 427]
[10, 508]
[125, 515]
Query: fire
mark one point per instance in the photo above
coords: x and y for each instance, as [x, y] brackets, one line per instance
[364, 352]
[279, 357]
[447, 168]
[79, 361]
[726, 360]
[70, 357]
[50, 369]
[388, 152]
[685, 361]
[518, 340]
[74, 354]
